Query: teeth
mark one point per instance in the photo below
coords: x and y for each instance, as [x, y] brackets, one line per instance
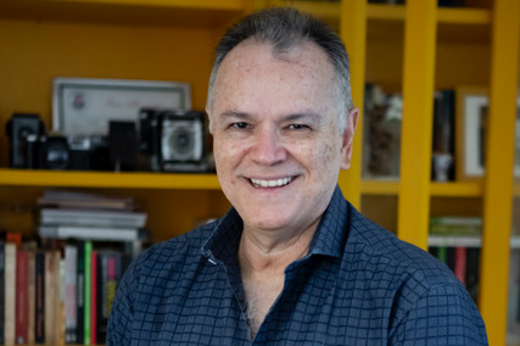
[270, 183]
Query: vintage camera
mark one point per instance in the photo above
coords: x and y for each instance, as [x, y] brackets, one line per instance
[19, 128]
[47, 152]
[175, 140]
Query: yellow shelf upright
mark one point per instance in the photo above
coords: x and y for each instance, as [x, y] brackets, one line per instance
[498, 187]
[353, 32]
[416, 138]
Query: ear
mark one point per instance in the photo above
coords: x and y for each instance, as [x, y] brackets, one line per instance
[348, 138]
[210, 121]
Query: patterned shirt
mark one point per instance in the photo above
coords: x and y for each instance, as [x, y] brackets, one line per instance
[358, 285]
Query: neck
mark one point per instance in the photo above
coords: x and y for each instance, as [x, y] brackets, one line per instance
[273, 250]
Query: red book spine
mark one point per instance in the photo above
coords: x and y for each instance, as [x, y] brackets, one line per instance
[93, 299]
[22, 297]
[460, 264]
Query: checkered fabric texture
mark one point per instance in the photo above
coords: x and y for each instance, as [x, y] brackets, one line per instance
[359, 285]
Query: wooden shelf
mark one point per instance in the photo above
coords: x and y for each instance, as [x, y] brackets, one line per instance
[132, 180]
[466, 241]
[516, 190]
[131, 12]
[391, 187]
[456, 189]
[380, 187]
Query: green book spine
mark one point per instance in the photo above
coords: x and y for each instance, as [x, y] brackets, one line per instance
[88, 274]
[442, 254]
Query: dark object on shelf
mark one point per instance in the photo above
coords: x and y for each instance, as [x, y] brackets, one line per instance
[452, 3]
[175, 140]
[18, 128]
[443, 141]
[53, 153]
[122, 142]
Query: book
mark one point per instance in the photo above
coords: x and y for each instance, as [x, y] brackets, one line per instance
[92, 218]
[460, 264]
[455, 225]
[2, 291]
[22, 299]
[93, 298]
[10, 294]
[31, 296]
[71, 256]
[107, 277]
[39, 299]
[473, 272]
[92, 233]
[51, 302]
[80, 293]
[66, 199]
[60, 299]
[87, 291]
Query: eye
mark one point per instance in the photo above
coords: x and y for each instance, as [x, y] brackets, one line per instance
[298, 127]
[240, 125]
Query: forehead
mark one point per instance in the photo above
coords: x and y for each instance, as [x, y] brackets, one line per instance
[253, 70]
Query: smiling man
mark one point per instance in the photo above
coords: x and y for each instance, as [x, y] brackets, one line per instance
[292, 263]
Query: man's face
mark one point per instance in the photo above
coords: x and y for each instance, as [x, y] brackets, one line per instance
[278, 150]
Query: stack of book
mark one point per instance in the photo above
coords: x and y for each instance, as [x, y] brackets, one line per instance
[57, 296]
[65, 215]
[456, 241]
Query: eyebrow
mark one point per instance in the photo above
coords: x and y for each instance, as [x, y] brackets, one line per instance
[312, 116]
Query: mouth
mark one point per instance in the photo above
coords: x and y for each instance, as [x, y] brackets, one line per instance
[260, 183]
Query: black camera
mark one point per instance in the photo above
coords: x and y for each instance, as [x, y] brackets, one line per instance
[19, 128]
[175, 140]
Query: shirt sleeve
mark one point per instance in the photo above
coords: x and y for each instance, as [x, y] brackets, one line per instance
[121, 319]
[445, 315]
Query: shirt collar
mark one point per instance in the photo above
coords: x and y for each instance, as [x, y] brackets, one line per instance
[329, 239]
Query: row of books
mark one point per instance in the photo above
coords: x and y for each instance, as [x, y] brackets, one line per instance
[59, 295]
[463, 258]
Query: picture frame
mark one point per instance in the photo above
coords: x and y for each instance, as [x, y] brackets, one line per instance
[84, 106]
[471, 121]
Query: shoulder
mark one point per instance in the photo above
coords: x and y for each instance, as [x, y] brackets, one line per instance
[385, 254]
[414, 286]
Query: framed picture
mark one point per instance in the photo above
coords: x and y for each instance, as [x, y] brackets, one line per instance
[84, 106]
[472, 114]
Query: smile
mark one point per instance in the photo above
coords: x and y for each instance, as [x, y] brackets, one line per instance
[270, 183]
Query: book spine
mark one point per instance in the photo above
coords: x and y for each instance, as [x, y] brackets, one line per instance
[50, 298]
[460, 264]
[39, 331]
[442, 254]
[71, 257]
[31, 296]
[472, 272]
[60, 299]
[2, 291]
[88, 274]
[94, 298]
[80, 294]
[10, 293]
[101, 297]
[22, 302]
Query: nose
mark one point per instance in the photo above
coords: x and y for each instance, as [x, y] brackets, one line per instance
[268, 148]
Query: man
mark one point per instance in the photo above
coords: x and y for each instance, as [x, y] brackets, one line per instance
[292, 263]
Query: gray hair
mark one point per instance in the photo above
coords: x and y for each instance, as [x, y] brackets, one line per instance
[284, 28]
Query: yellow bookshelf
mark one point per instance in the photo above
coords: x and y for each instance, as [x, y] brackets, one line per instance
[402, 47]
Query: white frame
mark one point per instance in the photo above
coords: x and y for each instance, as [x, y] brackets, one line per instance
[470, 101]
[84, 106]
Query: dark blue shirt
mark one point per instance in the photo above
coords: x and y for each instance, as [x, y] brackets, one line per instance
[358, 285]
